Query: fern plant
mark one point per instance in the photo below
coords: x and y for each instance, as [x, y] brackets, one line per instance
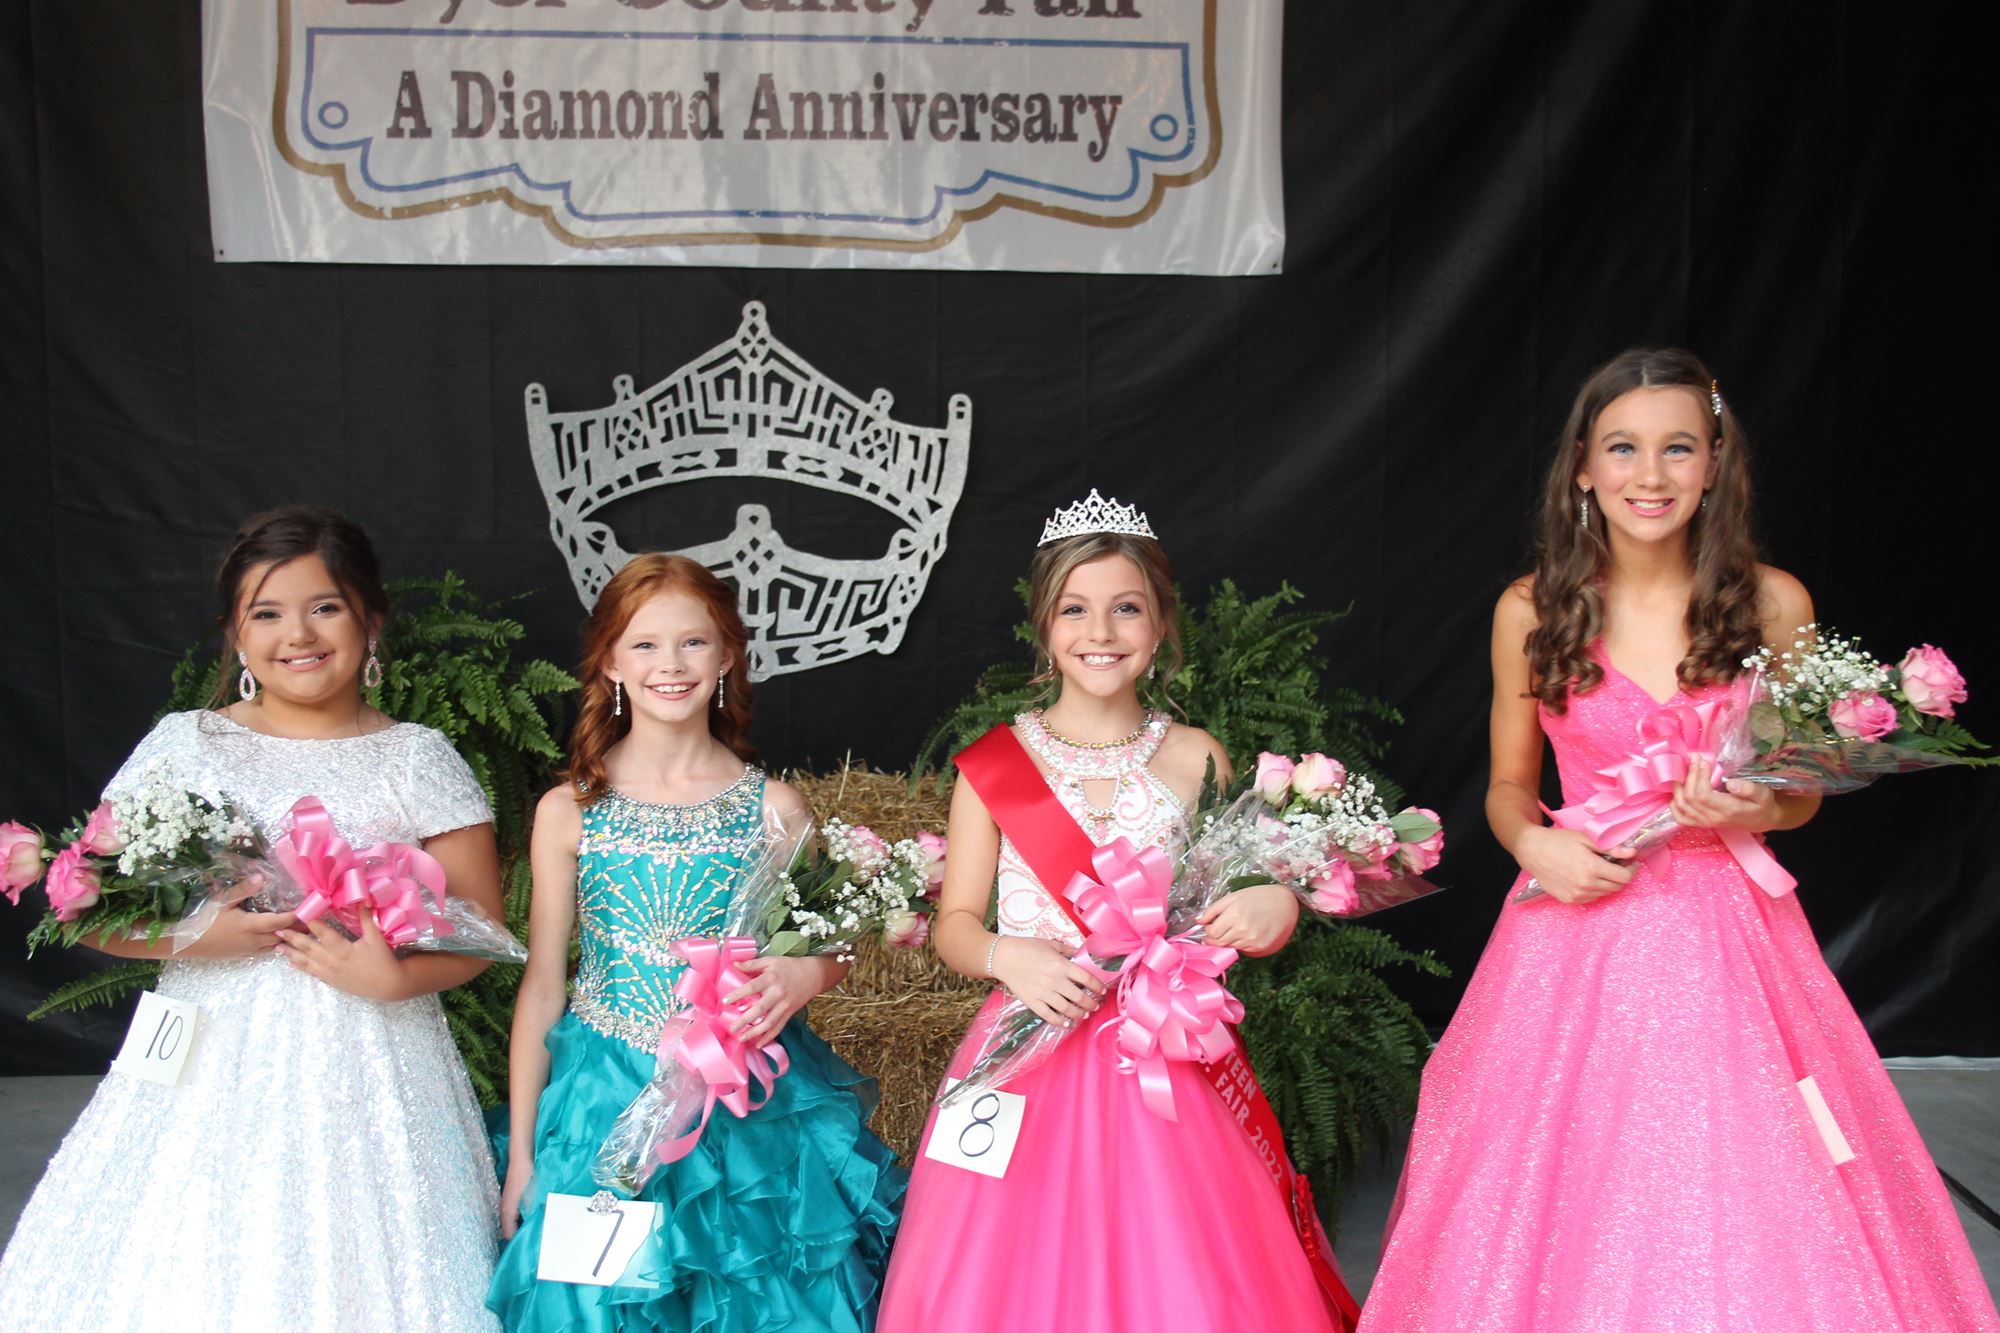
[1338, 1051]
[1250, 677]
[449, 664]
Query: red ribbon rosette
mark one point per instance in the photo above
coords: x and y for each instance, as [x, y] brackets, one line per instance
[701, 1040]
[1636, 790]
[1171, 1001]
[391, 879]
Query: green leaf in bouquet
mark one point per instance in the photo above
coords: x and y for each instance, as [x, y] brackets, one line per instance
[786, 944]
[1767, 726]
[1412, 826]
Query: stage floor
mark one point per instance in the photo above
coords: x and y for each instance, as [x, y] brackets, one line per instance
[1956, 1104]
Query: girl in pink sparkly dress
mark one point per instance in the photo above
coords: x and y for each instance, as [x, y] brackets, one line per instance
[1106, 1216]
[1655, 1111]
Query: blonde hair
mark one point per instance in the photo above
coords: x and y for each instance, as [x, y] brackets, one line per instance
[1054, 563]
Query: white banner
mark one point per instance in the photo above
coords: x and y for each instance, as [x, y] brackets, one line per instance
[1119, 136]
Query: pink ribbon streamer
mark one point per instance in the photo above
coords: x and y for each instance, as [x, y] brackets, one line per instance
[391, 879]
[1171, 1001]
[701, 1039]
[1634, 791]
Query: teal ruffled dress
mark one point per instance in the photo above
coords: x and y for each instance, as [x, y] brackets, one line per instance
[778, 1220]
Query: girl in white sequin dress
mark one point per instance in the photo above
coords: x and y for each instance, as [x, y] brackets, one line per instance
[321, 1164]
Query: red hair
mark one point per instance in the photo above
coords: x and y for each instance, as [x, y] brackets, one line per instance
[597, 728]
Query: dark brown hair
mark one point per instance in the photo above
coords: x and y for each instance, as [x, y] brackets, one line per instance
[598, 727]
[1571, 558]
[1052, 567]
[279, 535]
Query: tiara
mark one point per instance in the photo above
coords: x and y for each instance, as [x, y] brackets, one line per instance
[1095, 514]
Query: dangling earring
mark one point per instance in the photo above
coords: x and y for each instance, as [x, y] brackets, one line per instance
[1152, 667]
[371, 672]
[1583, 512]
[721, 686]
[617, 698]
[246, 684]
[1704, 499]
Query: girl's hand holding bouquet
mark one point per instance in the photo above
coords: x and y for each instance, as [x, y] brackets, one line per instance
[798, 911]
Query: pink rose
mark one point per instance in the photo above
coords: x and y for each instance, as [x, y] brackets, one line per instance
[1421, 856]
[1274, 778]
[1864, 715]
[1331, 891]
[20, 859]
[1316, 775]
[906, 930]
[869, 849]
[100, 835]
[934, 852]
[1931, 682]
[72, 885]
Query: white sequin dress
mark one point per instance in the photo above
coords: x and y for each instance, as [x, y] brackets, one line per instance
[321, 1164]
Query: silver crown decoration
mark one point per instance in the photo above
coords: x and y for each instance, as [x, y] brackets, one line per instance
[753, 408]
[1094, 515]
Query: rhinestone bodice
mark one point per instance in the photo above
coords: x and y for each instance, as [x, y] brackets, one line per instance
[1142, 809]
[647, 875]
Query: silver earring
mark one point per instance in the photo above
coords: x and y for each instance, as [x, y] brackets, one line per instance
[1704, 499]
[617, 698]
[246, 684]
[371, 671]
[721, 684]
[1583, 512]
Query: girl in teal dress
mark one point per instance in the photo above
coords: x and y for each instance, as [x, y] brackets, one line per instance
[778, 1220]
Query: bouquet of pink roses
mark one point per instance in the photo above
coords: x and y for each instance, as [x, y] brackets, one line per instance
[1348, 856]
[1307, 825]
[1822, 716]
[160, 861]
[794, 899]
[164, 861]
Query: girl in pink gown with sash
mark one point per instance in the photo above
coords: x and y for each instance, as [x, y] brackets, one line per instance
[1108, 1216]
[1655, 1111]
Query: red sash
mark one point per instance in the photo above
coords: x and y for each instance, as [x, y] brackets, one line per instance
[1047, 836]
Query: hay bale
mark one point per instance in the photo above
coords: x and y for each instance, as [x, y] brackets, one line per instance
[903, 1042]
[901, 1012]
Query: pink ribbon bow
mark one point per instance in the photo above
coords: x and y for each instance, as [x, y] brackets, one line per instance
[390, 878]
[1634, 791]
[1171, 1001]
[700, 1037]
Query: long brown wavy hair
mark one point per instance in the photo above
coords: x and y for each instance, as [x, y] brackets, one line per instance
[1571, 559]
[1052, 567]
[597, 728]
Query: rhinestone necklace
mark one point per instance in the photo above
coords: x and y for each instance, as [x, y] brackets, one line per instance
[1075, 763]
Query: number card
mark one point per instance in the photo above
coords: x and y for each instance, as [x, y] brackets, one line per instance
[590, 1239]
[978, 1135]
[157, 1044]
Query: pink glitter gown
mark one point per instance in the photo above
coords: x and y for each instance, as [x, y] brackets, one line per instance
[1611, 1136]
[1109, 1218]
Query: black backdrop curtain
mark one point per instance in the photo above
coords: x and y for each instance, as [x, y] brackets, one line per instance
[1485, 199]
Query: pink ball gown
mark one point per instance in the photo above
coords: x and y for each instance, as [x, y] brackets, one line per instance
[1109, 1217]
[1612, 1137]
